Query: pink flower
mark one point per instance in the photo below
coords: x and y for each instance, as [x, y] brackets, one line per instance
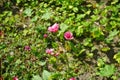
[72, 78]
[53, 28]
[15, 78]
[68, 35]
[49, 51]
[27, 48]
[45, 35]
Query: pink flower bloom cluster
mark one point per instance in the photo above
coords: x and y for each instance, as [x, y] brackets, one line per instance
[54, 28]
[68, 35]
[51, 52]
[72, 78]
[27, 48]
[15, 78]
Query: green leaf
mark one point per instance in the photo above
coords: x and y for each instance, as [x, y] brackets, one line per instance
[114, 1]
[42, 63]
[111, 35]
[95, 17]
[96, 32]
[81, 51]
[79, 31]
[75, 9]
[25, 32]
[56, 75]
[28, 12]
[2, 46]
[46, 75]
[80, 16]
[86, 41]
[34, 19]
[18, 1]
[36, 77]
[105, 49]
[18, 61]
[63, 28]
[100, 62]
[88, 12]
[117, 57]
[107, 71]
[104, 20]
[47, 15]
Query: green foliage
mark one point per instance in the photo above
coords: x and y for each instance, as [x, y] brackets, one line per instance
[79, 31]
[28, 12]
[112, 34]
[117, 57]
[45, 76]
[107, 70]
[63, 28]
[95, 26]
[36, 77]
[100, 62]
[47, 15]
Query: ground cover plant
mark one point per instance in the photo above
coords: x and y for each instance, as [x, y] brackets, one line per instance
[59, 40]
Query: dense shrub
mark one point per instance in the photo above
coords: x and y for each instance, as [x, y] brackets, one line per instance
[59, 39]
